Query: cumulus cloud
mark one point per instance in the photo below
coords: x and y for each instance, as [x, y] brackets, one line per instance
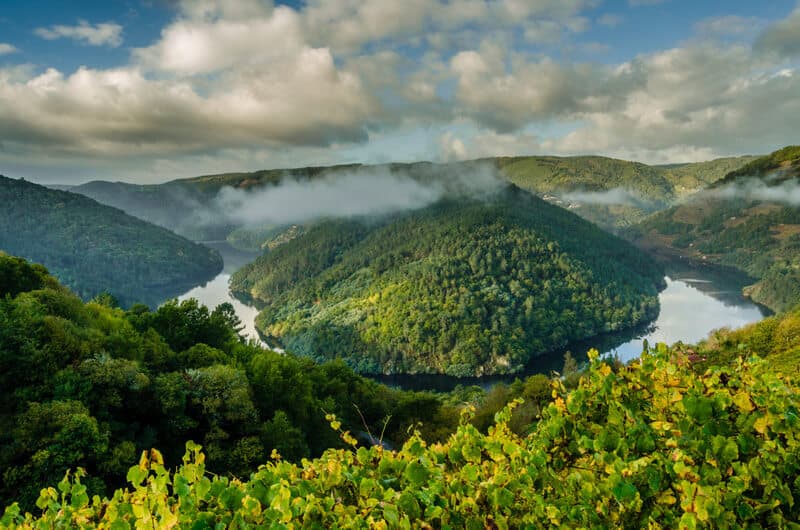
[199, 45]
[104, 34]
[5, 48]
[122, 111]
[506, 98]
[701, 98]
[350, 24]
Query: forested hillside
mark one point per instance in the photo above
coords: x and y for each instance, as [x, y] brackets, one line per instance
[91, 385]
[93, 248]
[188, 206]
[750, 220]
[464, 287]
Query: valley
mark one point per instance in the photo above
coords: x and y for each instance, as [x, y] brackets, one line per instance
[749, 221]
[715, 294]
[387, 265]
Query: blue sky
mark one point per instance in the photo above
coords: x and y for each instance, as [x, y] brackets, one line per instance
[153, 90]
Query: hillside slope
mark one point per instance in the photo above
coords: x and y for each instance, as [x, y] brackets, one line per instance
[89, 385]
[93, 248]
[750, 220]
[188, 206]
[463, 287]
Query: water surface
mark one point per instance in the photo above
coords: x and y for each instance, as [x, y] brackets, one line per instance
[695, 302]
[216, 291]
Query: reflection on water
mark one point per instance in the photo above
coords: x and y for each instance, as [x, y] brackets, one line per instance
[216, 292]
[695, 302]
[690, 309]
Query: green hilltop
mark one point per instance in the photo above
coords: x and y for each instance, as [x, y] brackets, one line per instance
[94, 248]
[463, 287]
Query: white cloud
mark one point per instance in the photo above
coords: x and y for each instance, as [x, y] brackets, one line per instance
[107, 33]
[6, 49]
[199, 46]
[253, 84]
[347, 25]
[692, 102]
[121, 112]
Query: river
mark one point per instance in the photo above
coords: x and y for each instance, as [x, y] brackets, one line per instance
[216, 292]
[695, 302]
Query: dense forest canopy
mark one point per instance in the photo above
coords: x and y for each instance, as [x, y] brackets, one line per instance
[93, 248]
[91, 385]
[750, 220]
[464, 287]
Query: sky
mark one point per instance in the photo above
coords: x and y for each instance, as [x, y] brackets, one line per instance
[152, 90]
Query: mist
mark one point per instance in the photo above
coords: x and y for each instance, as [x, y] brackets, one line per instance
[357, 193]
[612, 197]
[786, 192]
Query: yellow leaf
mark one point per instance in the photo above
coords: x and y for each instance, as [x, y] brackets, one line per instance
[761, 424]
[667, 498]
[742, 401]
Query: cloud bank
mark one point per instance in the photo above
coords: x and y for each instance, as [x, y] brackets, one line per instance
[361, 193]
[786, 192]
[255, 85]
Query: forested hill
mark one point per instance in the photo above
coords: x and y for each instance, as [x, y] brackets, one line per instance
[89, 385]
[463, 287]
[93, 248]
[749, 220]
[187, 206]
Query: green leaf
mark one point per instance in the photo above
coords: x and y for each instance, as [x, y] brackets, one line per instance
[624, 491]
[416, 474]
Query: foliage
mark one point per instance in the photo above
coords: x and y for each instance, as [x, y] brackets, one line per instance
[466, 287]
[90, 385]
[777, 337]
[92, 248]
[655, 444]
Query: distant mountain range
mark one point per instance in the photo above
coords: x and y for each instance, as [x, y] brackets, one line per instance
[188, 206]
